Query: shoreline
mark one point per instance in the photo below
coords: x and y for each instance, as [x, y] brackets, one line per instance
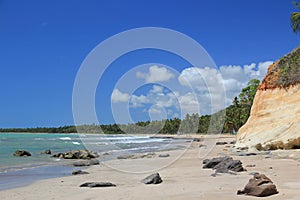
[183, 178]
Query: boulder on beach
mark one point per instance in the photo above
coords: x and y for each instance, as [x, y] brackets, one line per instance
[78, 172]
[224, 164]
[221, 143]
[152, 179]
[260, 186]
[77, 154]
[46, 152]
[164, 155]
[21, 153]
[97, 184]
[85, 163]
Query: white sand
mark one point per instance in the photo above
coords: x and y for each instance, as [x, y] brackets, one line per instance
[184, 179]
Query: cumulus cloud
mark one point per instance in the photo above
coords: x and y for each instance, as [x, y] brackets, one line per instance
[209, 83]
[156, 74]
[208, 89]
[188, 103]
[118, 96]
[156, 96]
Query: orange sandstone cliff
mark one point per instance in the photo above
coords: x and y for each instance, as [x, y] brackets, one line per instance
[275, 113]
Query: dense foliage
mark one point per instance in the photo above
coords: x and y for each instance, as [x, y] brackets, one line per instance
[295, 19]
[289, 69]
[228, 120]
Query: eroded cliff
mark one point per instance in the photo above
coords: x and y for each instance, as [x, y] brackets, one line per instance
[275, 113]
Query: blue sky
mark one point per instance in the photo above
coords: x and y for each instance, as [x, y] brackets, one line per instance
[43, 43]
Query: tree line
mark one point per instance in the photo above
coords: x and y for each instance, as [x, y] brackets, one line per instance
[228, 120]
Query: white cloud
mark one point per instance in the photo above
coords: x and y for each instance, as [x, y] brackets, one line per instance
[138, 101]
[209, 84]
[118, 96]
[156, 74]
[208, 89]
[155, 96]
[189, 104]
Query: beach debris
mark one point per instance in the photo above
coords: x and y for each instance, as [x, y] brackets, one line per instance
[84, 163]
[46, 152]
[221, 143]
[77, 154]
[260, 186]
[224, 164]
[77, 172]
[164, 155]
[21, 153]
[250, 165]
[152, 179]
[202, 146]
[97, 184]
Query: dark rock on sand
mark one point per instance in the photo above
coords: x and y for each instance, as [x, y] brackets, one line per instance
[46, 152]
[198, 139]
[202, 146]
[243, 148]
[86, 163]
[131, 156]
[152, 179]
[221, 143]
[77, 154]
[223, 164]
[260, 186]
[164, 155]
[97, 184]
[247, 154]
[21, 153]
[77, 172]
[250, 165]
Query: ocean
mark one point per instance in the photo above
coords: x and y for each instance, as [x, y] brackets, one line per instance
[21, 171]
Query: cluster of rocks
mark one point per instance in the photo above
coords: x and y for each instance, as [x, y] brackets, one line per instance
[77, 154]
[152, 179]
[224, 164]
[260, 185]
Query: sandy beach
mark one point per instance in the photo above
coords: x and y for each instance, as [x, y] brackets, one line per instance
[182, 174]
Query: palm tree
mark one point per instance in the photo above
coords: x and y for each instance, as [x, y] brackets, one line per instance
[295, 19]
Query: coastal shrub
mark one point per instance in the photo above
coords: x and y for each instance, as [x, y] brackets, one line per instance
[289, 69]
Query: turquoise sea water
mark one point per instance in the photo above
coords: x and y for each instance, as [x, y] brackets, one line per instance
[20, 171]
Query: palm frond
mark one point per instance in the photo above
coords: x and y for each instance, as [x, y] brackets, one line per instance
[295, 21]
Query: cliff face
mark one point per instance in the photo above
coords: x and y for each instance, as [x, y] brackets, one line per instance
[275, 113]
